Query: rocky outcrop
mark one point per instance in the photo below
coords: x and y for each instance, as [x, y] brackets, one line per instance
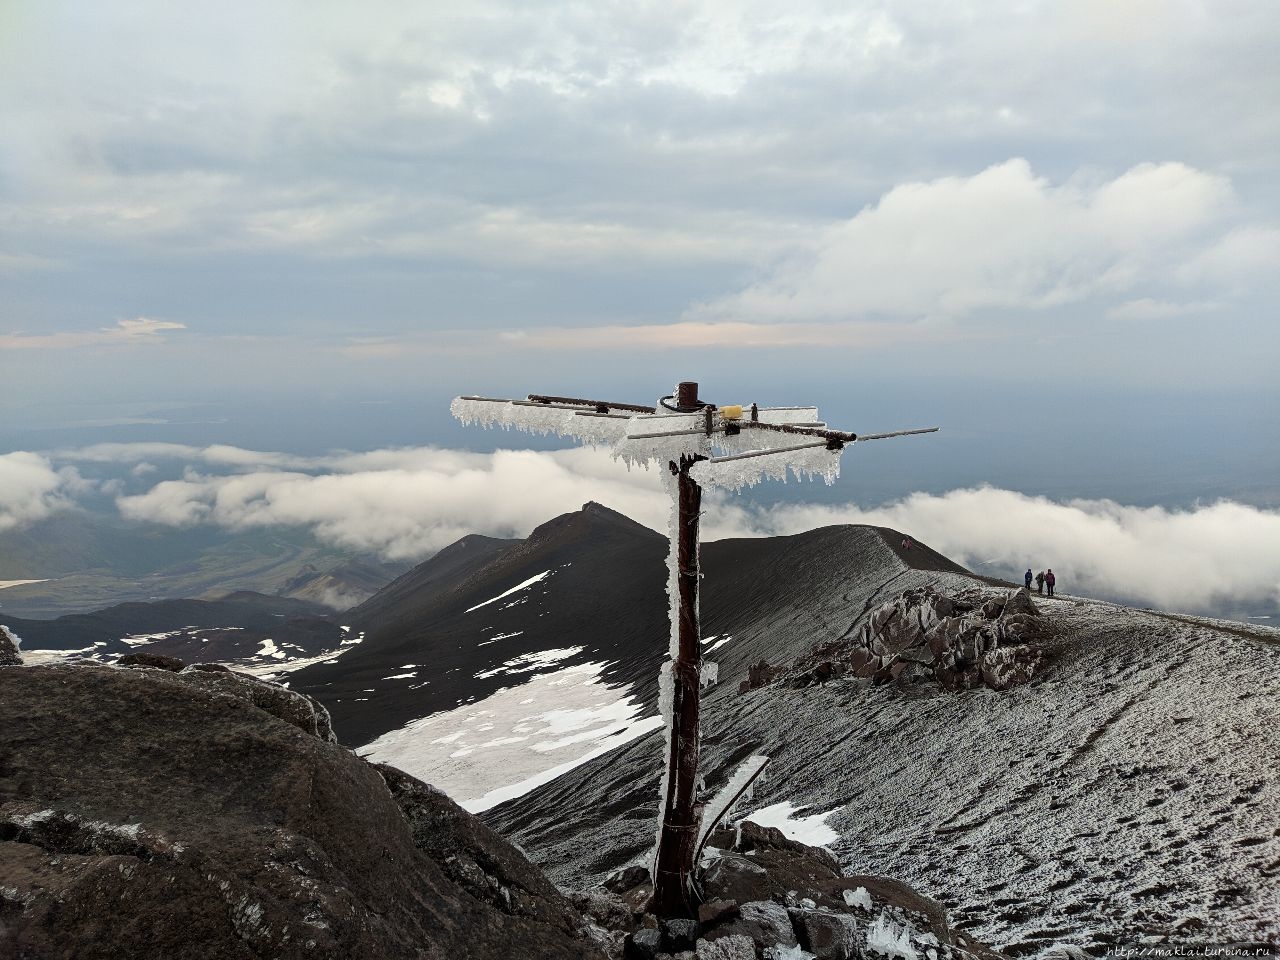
[147, 813]
[766, 895]
[759, 674]
[9, 647]
[960, 642]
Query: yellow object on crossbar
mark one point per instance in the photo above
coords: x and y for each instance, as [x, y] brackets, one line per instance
[732, 413]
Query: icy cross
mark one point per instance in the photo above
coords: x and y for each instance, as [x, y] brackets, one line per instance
[693, 443]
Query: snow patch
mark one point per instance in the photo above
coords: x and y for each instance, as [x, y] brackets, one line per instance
[506, 593]
[812, 830]
[511, 742]
[528, 662]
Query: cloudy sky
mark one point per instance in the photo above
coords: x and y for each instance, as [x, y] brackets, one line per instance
[1052, 229]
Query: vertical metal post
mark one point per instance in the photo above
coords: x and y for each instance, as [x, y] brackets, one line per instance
[673, 893]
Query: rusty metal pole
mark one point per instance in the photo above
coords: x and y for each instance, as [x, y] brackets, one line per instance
[673, 893]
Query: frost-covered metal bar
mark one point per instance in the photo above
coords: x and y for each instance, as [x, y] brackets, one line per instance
[897, 433]
[840, 435]
[576, 401]
[700, 431]
[765, 453]
[724, 801]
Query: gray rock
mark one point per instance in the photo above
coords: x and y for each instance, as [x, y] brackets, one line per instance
[1007, 667]
[736, 878]
[678, 935]
[199, 826]
[1020, 602]
[290, 706]
[9, 647]
[159, 661]
[765, 922]
[734, 947]
[828, 936]
[626, 879]
[644, 944]
[714, 911]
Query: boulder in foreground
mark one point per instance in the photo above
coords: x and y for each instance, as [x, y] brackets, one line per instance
[147, 813]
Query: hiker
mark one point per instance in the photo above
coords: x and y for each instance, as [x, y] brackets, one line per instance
[906, 543]
[1050, 580]
[1040, 583]
[1026, 577]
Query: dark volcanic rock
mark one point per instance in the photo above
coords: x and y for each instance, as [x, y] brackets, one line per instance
[144, 815]
[9, 655]
[159, 661]
[474, 857]
[288, 705]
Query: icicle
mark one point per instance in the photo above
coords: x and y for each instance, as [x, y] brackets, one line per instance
[814, 461]
[538, 418]
[644, 450]
[754, 439]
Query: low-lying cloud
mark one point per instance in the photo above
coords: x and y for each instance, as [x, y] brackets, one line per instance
[31, 488]
[1208, 557]
[405, 504]
[137, 330]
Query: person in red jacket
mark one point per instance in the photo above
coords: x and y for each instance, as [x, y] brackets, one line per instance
[1050, 580]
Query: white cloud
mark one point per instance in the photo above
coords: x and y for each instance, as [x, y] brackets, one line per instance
[1147, 308]
[666, 336]
[1179, 559]
[137, 330]
[1001, 238]
[408, 503]
[31, 489]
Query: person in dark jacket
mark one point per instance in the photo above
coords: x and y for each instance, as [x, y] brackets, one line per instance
[1026, 577]
[1040, 582]
[1050, 580]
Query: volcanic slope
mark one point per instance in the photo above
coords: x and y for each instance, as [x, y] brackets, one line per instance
[484, 615]
[497, 665]
[1128, 792]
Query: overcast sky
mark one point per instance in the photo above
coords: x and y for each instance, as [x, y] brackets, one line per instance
[321, 220]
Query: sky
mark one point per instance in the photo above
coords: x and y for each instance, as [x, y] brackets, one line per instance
[1051, 229]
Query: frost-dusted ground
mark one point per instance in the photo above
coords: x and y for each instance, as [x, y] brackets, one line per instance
[1130, 794]
[485, 753]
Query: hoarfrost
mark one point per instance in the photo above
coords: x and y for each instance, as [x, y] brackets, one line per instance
[788, 414]
[858, 898]
[803, 462]
[666, 678]
[722, 804]
[886, 937]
